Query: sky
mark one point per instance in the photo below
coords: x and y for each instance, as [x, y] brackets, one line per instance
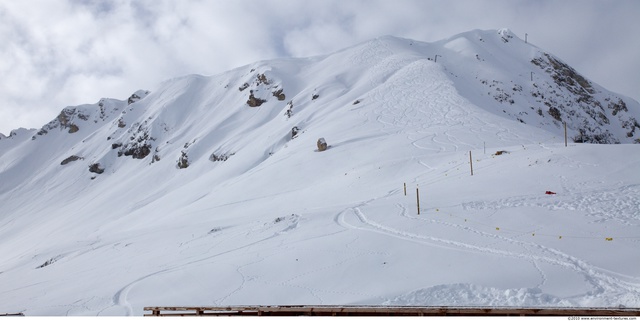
[58, 53]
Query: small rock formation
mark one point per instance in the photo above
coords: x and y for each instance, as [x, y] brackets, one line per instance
[73, 128]
[289, 111]
[253, 101]
[322, 145]
[221, 157]
[96, 168]
[136, 151]
[183, 161]
[70, 159]
[279, 94]
[132, 99]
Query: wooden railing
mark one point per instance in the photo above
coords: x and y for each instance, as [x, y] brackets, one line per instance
[339, 310]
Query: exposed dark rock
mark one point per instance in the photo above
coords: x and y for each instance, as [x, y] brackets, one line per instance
[73, 128]
[64, 121]
[220, 158]
[96, 168]
[289, 111]
[70, 159]
[48, 262]
[279, 94]
[618, 107]
[555, 113]
[322, 144]
[183, 161]
[262, 79]
[137, 151]
[253, 101]
[132, 99]
[139, 145]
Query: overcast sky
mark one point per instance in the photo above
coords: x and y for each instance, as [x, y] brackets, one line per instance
[58, 53]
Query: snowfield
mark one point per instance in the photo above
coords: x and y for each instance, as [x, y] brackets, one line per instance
[272, 221]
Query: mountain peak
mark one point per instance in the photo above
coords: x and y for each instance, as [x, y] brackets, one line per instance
[506, 33]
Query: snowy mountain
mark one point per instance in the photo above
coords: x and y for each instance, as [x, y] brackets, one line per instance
[210, 190]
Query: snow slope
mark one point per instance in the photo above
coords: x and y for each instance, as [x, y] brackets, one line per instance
[188, 196]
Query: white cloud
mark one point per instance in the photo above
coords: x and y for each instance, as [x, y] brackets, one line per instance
[56, 53]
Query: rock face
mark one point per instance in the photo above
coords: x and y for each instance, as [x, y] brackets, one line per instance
[322, 145]
[253, 101]
[96, 168]
[183, 161]
[70, 159]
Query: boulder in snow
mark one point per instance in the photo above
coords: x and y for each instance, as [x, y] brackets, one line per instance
[322, 144]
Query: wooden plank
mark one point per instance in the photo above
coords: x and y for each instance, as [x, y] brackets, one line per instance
[326, 310]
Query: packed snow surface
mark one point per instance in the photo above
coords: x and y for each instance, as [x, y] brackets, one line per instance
[196, 199]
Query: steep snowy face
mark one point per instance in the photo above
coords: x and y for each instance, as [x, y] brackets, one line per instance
[386, 86]
[503, 74]
[390, 88]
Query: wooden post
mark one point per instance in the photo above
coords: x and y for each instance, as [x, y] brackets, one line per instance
[471, 163]
[565, 134]
[405, 189]
[418, 199]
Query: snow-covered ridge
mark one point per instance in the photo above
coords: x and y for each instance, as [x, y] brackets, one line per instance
[210, 190]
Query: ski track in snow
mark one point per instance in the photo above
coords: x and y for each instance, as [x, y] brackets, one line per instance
[432, 116]
[428, 110]
[535, 253]
[120, 298]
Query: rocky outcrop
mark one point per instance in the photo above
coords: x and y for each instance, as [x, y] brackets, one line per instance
[183, 161]
[289, 111]
[96, 168]
[70, 159]
[136, 151]
[279, 94]
[260, 87]
[220, 157]
[322, 145]
[139, 145]
[253, 101]
[138, 95]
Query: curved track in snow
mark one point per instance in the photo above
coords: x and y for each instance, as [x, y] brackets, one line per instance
[536, 254]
